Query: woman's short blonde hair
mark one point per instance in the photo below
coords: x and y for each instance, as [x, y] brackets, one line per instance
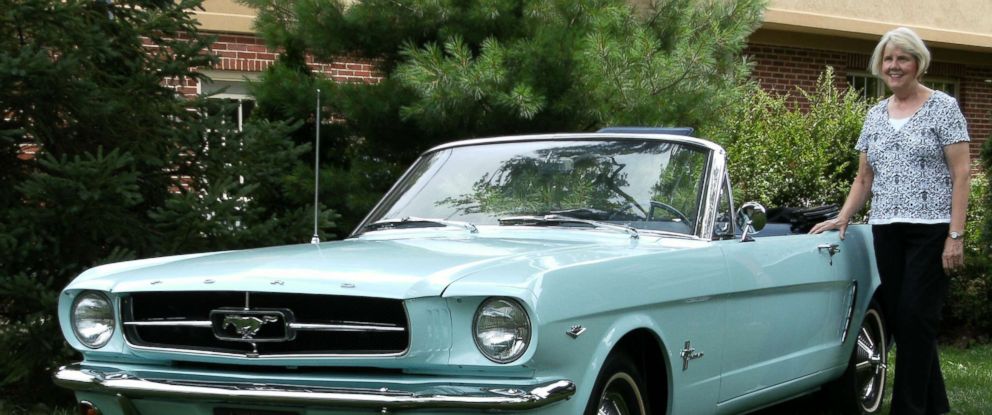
[907, 40]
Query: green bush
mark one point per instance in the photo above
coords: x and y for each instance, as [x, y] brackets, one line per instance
[983, 228]
[969, 305]
[782, 155]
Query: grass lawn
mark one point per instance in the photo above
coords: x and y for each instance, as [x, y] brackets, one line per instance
[967, 373]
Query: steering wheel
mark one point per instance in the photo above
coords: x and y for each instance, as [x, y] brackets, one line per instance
[671, 209]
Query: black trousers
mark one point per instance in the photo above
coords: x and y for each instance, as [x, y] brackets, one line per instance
[913, 290]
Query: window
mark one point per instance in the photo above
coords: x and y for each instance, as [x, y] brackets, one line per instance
[872, 88]
[231, 87]
[724, 228]
[868, 86]
[948, 86]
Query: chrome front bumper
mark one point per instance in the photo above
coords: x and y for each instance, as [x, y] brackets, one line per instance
[126, 386]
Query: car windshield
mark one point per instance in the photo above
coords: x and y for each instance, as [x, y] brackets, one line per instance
[644, 184]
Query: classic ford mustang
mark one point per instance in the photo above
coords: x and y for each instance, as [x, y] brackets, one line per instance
[600, 273]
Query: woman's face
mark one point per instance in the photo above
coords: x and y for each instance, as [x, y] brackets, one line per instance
[898, 68]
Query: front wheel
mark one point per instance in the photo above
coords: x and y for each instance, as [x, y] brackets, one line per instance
[619, 390]
[861, 388]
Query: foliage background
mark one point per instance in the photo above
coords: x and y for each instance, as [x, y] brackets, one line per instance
[969, 315]
[125, 168]
[452, 70]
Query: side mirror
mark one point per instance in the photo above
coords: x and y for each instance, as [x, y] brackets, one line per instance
[751, 218]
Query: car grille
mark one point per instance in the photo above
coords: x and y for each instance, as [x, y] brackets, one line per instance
[265, 324]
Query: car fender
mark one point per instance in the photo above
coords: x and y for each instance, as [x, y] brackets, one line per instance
[612, 336]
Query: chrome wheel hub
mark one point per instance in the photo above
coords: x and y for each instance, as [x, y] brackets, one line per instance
[871, 362]
[621, 397]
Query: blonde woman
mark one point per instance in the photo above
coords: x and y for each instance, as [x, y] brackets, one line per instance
[915, 165]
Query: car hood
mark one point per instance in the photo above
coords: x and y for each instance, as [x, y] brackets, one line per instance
[391, 267]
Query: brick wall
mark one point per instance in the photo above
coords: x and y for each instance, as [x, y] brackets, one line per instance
[246, 53]
[782, 69]
[976, 100]
[249, 54]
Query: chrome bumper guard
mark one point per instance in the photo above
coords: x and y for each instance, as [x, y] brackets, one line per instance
[126, 386]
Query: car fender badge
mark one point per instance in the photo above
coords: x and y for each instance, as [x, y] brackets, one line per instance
[689, 353]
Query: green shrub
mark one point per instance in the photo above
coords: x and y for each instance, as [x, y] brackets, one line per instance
[781, 155]
[983, 228]
[969, 313]
[969, 304]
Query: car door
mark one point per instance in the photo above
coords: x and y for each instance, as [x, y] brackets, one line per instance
[784, 312]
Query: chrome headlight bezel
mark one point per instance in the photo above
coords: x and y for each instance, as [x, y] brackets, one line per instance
[522, 332]
[103, 311]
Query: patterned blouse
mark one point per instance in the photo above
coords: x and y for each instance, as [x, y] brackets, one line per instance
[912, 181]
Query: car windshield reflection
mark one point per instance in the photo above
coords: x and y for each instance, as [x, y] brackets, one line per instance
[649, 185]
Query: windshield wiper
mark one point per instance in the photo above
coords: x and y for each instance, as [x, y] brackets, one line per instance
[415, 222]
[559, 219]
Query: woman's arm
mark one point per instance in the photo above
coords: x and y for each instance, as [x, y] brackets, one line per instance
[959, 164]
[856, 199]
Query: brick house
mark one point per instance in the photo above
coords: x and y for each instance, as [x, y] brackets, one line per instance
[797, 40]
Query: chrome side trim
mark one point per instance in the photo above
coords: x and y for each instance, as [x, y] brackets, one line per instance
[295, 326]
[264, 356]
[852, 301]
[342, 327]
[495, 397]
[166, 323]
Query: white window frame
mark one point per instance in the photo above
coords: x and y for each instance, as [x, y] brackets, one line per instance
[879, 91]
[954, 84]
[231, 77]
[882, 91]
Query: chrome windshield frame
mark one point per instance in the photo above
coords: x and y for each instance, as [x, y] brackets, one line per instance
[715, 169]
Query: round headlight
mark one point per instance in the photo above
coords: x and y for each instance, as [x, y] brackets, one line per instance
[502, 329]
[93, 319]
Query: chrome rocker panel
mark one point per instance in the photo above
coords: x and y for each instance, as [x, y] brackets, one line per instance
[127, 385]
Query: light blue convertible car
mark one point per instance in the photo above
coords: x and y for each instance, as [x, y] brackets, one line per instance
[600, 273]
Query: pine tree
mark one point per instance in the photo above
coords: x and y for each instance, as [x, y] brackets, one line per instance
[125, 167]
[460, 69]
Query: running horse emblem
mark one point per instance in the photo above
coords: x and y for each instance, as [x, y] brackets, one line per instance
[248, 326]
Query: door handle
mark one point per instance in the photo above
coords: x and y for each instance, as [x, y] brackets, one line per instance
[833, 249]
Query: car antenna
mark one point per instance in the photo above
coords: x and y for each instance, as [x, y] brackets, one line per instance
[316, 177]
